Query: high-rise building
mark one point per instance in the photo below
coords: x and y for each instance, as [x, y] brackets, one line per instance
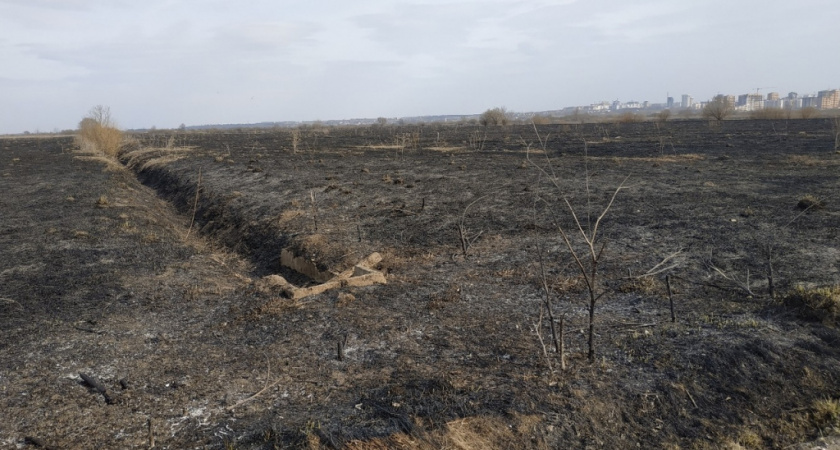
[754, 102]
[773, 96]
[686, 101]
[810, 101]
[670, 102]
[829, 99]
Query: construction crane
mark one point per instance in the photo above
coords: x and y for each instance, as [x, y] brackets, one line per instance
[766, 87]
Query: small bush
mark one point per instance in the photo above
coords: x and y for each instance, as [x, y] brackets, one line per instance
[98, 132]
[819, 303]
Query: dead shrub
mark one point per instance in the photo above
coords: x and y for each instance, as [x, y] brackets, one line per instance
[539, 119]
[769, 114]
[98, 133]
[808, 112]
[630, 117]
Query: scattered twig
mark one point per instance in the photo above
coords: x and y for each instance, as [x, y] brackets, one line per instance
[195, 203]
[151, 430]
[547, 299]
[734, 279]
[658, 268]
[260, 392]
[314, 209]
[771, 286]
[463, 234]
[538, 331]
[342, 343]
[670, 297]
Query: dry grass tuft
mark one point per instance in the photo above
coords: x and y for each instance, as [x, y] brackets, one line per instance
[644, 285]
[804, 160]
[809, 201]
[821, 302]
[344, 299]
[749, 439]
[469, 433]
[825, 413]
[451, 294]
[102, 202]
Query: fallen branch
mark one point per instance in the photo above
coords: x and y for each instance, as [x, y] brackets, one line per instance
[93, 382]
[261, 391]
[734, 279]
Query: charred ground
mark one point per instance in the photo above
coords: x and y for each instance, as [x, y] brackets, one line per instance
[148, 274]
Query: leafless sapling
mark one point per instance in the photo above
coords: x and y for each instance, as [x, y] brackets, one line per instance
[589, 258]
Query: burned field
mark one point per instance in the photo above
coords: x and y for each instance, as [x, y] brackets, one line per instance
[143, 302]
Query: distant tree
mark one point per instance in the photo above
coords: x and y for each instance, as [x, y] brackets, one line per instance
[381, 121]
[494, 117]
[101, 115]
[718, 108]
[182, 127]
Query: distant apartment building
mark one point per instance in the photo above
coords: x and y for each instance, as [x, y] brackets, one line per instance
[686, 101]
[670, 102]
[750, 102]
[810, 101]
[773, 96]
[775, 104]
[829, 99]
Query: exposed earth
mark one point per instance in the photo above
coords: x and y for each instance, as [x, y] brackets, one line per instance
[138, 307]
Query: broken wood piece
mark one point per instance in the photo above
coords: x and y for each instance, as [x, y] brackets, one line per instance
[303, 265]
[36, 442]
[93, 382]
[362, 274]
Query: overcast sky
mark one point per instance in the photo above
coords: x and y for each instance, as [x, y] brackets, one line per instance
[166, 62]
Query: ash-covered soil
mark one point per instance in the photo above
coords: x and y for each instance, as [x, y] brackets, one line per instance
[148, 274]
